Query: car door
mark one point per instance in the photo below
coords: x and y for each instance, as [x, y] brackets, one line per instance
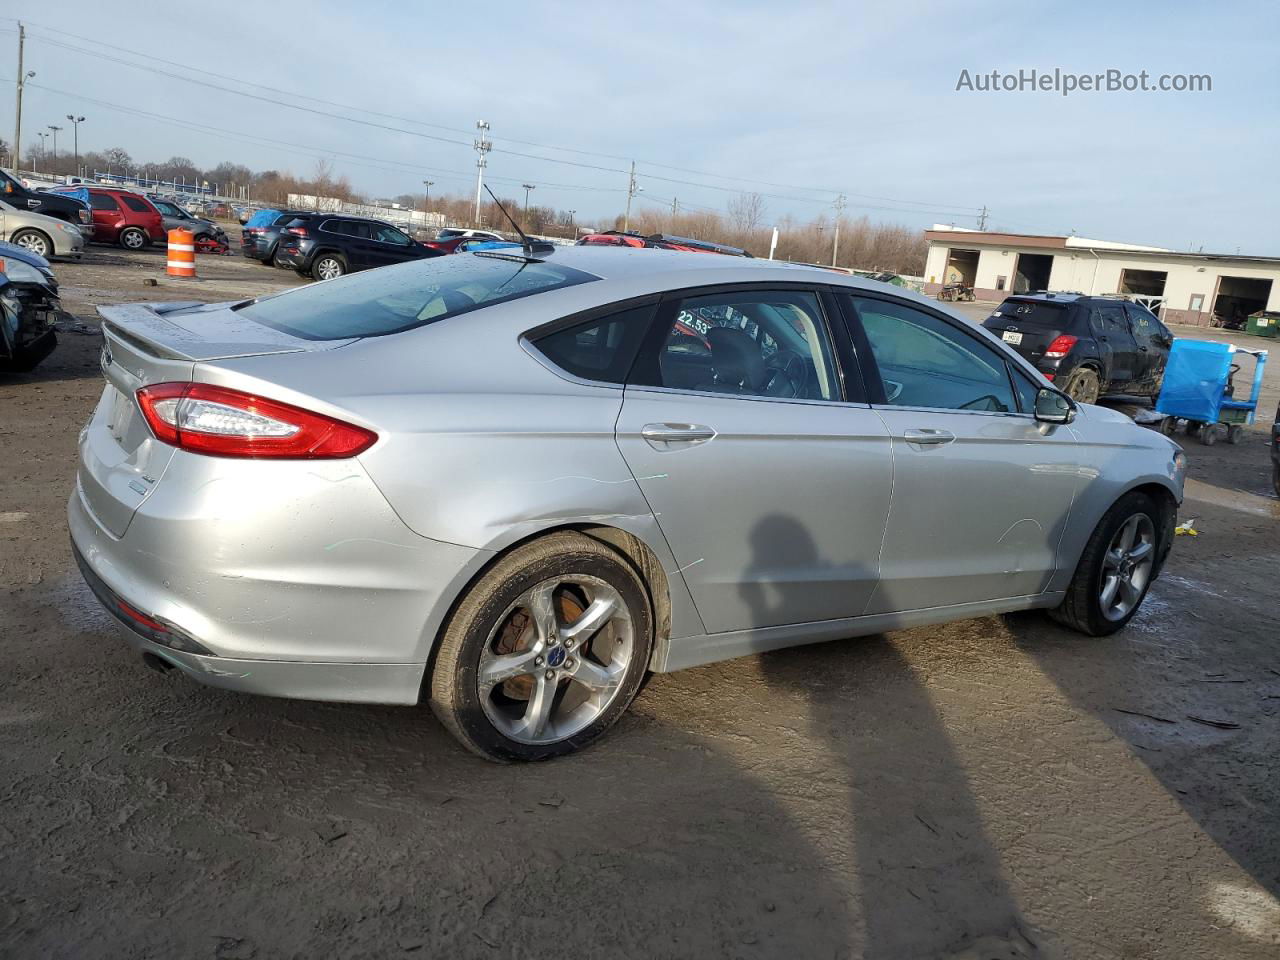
[389, 245]
[1112, 330]
[768, 474]
[981, 491]
[107, 219]
[1152, 341]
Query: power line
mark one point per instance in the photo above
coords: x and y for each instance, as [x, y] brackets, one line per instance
[951, 209]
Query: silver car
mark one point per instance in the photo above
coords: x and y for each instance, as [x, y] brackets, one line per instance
[510, 484]
[44, 236]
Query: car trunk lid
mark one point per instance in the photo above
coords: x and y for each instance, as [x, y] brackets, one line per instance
[121, 463]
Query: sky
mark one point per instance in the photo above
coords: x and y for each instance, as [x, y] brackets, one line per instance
[797, 101]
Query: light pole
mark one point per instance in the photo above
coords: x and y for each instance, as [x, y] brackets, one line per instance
[426, 199]
[527, 188]
[482, 146]
[75, 137]
[55, 143]
[43, 139]
[835, 242]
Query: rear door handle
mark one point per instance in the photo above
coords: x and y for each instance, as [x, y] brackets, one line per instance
[928, 436]
[661, 433]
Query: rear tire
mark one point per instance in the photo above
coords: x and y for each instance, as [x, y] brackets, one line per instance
[496, 630]
[1210, 434]
[1082, 609]
[34, 241]
[1169, 426]
[1235, 433]
[1083, 385]
[328, 266]
[131, 238]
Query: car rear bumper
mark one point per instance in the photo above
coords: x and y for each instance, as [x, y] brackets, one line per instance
[302, 584]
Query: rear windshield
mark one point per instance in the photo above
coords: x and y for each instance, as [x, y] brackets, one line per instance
[1032, 313]
[408, 295]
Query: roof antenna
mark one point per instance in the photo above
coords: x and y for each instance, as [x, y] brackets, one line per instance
[530, 247]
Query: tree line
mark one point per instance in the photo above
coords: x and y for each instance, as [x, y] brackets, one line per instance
[746, 223]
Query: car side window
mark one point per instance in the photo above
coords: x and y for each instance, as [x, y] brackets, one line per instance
[924, 361]
[772, 344]
[103, 201]
[136, 204]
[600, 349]
[389, 234]
[1108, 320]
[1026, 391]
[1147, 330]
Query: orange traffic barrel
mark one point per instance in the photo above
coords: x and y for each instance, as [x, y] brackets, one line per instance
[182, 254]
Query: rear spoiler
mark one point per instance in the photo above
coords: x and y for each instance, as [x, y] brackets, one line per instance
[202, 332]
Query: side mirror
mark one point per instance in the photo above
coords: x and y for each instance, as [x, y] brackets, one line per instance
[1054, 407]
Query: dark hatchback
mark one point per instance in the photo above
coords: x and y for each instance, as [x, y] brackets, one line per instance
[260, 237]
[1089, 346]
[323, 246]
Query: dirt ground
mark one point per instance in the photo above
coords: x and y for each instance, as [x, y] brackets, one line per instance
[993, 789]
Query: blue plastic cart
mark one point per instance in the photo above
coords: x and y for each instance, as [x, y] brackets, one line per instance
[1199, 390]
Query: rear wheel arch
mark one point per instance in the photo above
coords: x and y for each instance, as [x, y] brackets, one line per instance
[633, 550]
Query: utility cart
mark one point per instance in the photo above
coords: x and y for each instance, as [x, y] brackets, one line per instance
[1199, 390]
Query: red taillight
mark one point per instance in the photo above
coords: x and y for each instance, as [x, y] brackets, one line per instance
[296, 231]
[139, 617]
[1061, 345]
[222, 422]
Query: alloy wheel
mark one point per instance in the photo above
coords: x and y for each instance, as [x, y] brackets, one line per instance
[35, 243]
[133, 240]
[556, 659]
[328, 269]
[1126, 566]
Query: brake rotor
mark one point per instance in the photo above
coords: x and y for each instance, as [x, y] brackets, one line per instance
[518, 635]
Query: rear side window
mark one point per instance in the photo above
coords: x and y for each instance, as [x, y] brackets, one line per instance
[103, 201]
[398, 298]
[602, 349]
[1108, 320]
[136, 204]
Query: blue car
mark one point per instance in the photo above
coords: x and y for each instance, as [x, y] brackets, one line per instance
[29, 309]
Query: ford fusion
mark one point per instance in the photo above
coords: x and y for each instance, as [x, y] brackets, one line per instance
[510, 483]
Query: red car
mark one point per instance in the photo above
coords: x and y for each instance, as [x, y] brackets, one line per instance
[658, 241]
[120, 216]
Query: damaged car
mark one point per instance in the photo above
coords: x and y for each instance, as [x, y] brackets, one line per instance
[29, 309]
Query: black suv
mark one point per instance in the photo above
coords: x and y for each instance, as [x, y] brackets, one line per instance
[1089, 346]
[69, 209]
[326, 245]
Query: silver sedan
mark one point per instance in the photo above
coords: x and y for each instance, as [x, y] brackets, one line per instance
[44, 236]
[510, 483]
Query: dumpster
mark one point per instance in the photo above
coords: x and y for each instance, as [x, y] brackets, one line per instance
[1264, 323]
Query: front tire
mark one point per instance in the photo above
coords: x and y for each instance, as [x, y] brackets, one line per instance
[1084, 385]
[1116, 568]
[34, 241]
[545, 652]
[131, 238]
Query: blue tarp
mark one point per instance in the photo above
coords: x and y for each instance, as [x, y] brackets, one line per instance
[1195, 380]
[263, 218]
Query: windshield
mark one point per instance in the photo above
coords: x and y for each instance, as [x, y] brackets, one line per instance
[1031, 313]
[409, 295]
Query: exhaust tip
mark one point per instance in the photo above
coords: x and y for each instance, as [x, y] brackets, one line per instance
[158, 664]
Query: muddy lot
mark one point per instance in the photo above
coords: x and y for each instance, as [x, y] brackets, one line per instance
[997, 788]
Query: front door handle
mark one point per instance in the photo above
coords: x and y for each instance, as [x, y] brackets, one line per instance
[928, 436]
[656, 433]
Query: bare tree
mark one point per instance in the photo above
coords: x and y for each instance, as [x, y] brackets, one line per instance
[746, 212]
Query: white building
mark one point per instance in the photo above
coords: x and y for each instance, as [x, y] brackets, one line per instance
[1188, 288]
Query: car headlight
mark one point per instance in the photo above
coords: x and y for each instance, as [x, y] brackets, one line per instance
[19, 272]
[1180, 461]
[70, 228]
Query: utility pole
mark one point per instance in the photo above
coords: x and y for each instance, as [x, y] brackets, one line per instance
[573, 230]
[23, 77]
[55, 142]
[527, 188]
[675, 206]
[632, 190]
[835, 243]
[982, 218]
[482, 146]
[75, 136]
